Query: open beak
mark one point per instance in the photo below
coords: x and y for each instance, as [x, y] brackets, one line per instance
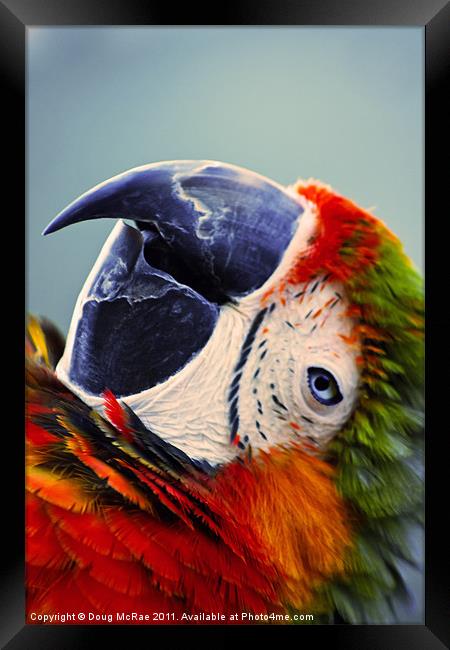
[206, 233]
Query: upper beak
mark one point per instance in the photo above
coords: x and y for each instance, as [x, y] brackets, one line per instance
[229, 226]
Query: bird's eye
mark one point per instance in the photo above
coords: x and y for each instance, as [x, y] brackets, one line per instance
[323, 386]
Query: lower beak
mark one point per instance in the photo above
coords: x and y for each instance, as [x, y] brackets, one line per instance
[134, 325]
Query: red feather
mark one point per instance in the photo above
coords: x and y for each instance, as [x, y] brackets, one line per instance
[116, 525]
[116, 415]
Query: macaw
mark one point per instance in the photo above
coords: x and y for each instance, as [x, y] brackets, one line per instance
[234, 422]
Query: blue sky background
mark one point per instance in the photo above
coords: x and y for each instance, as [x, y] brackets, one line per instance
[344, 105]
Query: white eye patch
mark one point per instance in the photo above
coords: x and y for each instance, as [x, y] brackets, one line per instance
[301, 376]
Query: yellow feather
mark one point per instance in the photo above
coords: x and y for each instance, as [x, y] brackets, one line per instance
[38, 339]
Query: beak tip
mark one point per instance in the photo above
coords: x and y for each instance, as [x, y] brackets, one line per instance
[62, 219]
[52, 227]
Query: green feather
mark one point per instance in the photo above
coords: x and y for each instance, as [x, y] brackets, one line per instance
[378, 451]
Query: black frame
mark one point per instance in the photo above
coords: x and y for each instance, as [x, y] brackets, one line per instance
[434, 16]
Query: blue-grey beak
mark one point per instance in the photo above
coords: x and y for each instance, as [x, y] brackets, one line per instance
[207, 233]
[225, 223]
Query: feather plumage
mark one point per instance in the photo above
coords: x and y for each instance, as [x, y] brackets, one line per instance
[121, 519]
[147, 522]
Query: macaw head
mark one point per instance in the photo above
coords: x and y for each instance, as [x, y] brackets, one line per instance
[236, 314]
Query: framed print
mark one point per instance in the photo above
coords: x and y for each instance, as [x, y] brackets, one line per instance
[225, 325]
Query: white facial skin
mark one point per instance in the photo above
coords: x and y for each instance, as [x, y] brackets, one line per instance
[252, 376]
[287, 393]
